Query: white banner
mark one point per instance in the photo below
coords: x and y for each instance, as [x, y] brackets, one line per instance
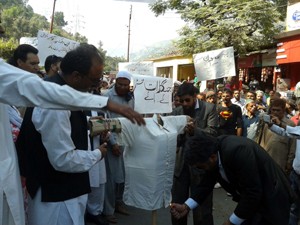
[51, 44]
[33, 41]
[215, 64]
[152, 94]
[140, 68]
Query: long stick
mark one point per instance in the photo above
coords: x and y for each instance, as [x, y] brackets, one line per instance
[154, 217]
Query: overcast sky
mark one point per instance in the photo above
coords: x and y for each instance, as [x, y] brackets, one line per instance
[107, 20]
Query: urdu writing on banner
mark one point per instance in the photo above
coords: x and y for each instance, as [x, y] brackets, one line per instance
[51, 44]
[141, 68]
[33, 41]
[152, 94]
[215, 64]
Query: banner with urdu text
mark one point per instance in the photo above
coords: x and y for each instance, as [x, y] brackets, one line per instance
[152, 94]
[140, 68]
[51, 44]
[215, 64]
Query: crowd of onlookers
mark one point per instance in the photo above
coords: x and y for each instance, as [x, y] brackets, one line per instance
[217, 111]
[247, 113]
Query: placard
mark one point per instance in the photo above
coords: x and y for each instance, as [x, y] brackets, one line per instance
[152, 94]
[215, 64]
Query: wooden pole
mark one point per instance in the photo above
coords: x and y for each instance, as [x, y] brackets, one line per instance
[128, 45]
[154, 217]
[52, 18]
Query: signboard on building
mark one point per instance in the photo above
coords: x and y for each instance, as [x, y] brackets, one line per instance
[293, 16]
[215, 64]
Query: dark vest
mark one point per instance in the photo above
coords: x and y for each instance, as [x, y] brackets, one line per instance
[35, 165]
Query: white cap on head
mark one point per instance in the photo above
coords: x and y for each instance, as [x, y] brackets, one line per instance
[104, 79]
[123, 74]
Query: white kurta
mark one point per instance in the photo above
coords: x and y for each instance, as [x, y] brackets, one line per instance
[149, 159]
[20, 88]
[97, 173]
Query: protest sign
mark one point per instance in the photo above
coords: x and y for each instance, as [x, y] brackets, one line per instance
[51, 44]
[152, 94]
[141, 68]
[215, 64]
[33, 41]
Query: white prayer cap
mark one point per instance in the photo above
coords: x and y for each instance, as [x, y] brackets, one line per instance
[123, 74]
[104, 79]
[177, 83]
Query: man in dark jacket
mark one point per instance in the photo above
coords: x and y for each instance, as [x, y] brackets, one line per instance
[185, 178]
[246, 171]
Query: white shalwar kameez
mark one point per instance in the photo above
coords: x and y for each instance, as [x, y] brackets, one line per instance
[149, 160]
[97, 176]
[20, 88]
[55, 129]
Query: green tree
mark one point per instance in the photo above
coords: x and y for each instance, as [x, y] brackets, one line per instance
[101, 50]
[9, 3]
[7, 48]
[246, 25]
[59, 20]
[111, 63]
[80, 38]
[20, 21]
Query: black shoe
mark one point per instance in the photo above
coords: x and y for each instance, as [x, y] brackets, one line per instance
[121, 208]
[99, 219]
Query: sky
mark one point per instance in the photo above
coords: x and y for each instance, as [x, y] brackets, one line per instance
[107, 21]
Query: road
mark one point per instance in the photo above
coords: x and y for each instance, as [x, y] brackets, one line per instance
[223, 207]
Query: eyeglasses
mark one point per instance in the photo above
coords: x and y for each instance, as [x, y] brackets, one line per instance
[95, 80]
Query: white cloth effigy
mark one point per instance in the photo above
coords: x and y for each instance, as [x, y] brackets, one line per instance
[149, 160]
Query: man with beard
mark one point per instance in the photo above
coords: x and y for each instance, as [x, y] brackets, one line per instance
[115, 170]
[205, 118]
[243, 168]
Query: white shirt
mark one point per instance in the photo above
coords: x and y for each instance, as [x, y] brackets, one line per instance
[293, 132]
[20, 88]
[55, 129]
[149, 160]
[241, 103]
[97, 173]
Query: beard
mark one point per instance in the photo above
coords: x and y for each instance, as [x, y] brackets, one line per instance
[189, 111]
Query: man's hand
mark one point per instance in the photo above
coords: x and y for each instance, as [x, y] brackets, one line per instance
[116, 150]
[104, 136]
[126, 111]
[102, 148]
[190, 127]
[275, 120]
[179, 210]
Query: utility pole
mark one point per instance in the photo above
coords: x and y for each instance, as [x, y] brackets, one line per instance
[128, 45]
[52, 18]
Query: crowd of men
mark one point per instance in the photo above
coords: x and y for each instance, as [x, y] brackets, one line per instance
[240, 140]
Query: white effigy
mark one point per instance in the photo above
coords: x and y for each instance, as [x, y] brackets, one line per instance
[149, 159]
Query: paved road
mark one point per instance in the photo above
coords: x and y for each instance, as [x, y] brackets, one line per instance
[223, 207]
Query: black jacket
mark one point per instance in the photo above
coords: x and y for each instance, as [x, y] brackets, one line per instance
[36, 167]
[256, 182]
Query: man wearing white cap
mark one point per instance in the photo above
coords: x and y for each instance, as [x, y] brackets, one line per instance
[114, 189]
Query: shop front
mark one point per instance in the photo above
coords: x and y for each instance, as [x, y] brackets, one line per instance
[261, 65]
[288, 57]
